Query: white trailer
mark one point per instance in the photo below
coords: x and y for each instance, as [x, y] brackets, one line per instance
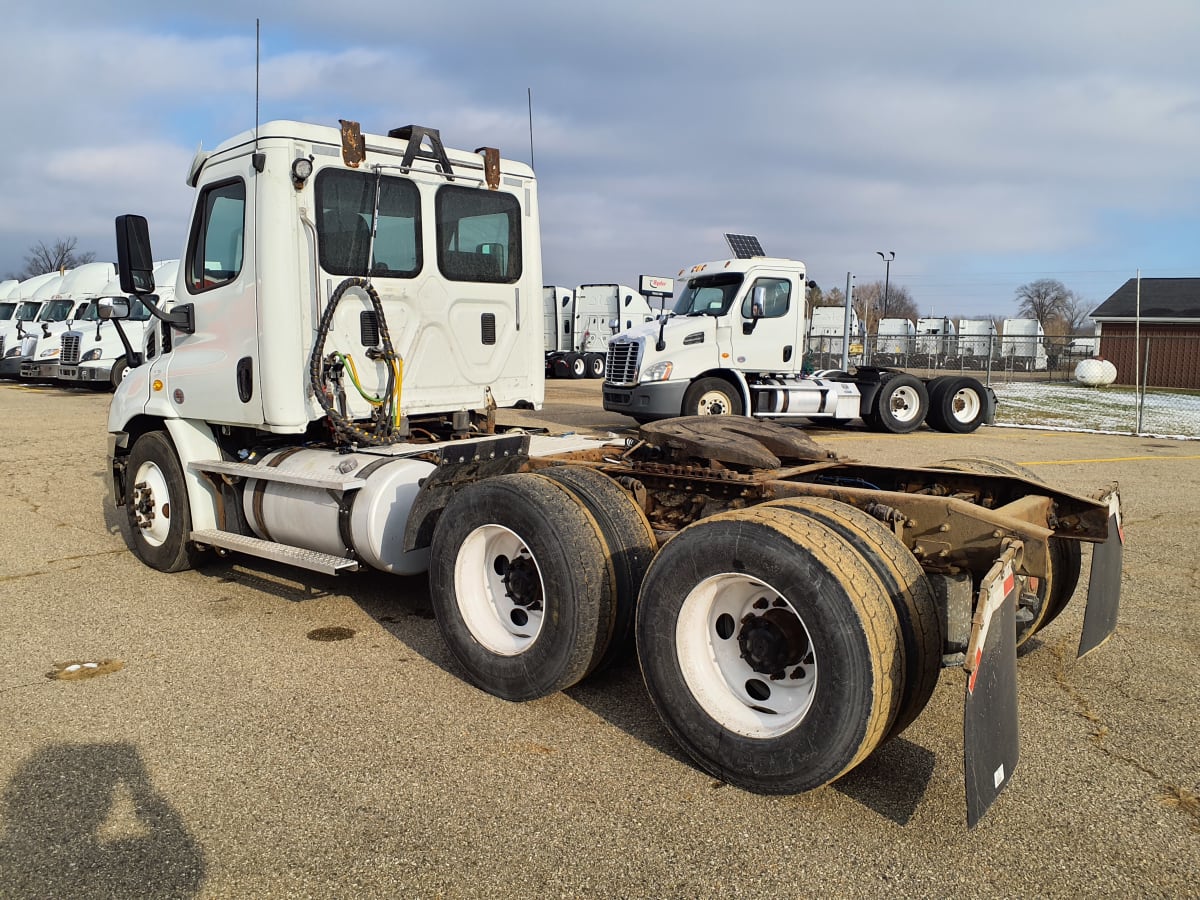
[935, 341]
[827, 328]
[1022, 345]
[894, 341]
[585, 319]
[976, 342]
[351, 311]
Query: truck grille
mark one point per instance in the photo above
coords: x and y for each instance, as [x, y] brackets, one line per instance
[621, 363]
[70, 347]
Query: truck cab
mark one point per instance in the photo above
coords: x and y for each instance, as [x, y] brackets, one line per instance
[441, 240]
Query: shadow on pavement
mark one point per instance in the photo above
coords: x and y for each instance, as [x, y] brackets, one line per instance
[83, 820]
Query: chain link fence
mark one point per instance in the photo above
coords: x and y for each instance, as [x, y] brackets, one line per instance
[1155, 391]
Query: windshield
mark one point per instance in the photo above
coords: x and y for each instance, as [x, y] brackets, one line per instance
[6, 310]
[91, 314]
[57, 310]
[709, 295]
[28, 310]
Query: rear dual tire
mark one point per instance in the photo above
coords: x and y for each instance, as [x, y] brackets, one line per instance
[770, 649]
[534, 578]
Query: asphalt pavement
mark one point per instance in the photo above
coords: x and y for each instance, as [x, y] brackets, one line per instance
[192, 735]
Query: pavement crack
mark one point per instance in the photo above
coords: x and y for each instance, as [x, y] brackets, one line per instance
[1169, 793]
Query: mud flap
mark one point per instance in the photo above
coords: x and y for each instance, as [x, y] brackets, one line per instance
[1104, 582]
[991, 745]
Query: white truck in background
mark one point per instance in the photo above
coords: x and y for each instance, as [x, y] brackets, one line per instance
[1022, 345]
[894, 341]
[935, 343]
[977, 343]
[580, 321]
[20, 308]
[350, 311]
[94, 352]
[826, 329]
[735, 345]
[48, 307]
[40, 354]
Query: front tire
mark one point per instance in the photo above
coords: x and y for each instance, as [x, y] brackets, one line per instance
[156, 506]
[711, 397]
[522, 586]
[117, 374]
[770, 650]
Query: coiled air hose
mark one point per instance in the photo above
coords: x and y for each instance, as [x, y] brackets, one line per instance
[387, 407]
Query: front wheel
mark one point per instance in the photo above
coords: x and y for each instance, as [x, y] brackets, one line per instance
[120, 369]
[156, 505]
[711, 397]
[770, 650]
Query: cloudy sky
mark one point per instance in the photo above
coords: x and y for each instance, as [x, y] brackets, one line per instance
[988, 145]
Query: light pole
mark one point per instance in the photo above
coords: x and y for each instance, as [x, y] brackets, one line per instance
[887, 272]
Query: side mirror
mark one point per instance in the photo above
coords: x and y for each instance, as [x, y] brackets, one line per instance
[135, 260]
[113, 308]
[758, 302]
[615, 325]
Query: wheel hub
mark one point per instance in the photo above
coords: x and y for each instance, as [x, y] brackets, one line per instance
[143, 505]
[522, 583]
[772, 641]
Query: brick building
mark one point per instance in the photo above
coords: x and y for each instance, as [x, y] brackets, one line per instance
[1167, 325]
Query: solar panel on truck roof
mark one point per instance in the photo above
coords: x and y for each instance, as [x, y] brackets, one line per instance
[744, 246]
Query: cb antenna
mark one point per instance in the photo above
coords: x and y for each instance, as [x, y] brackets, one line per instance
[259, 159]
[529, 96]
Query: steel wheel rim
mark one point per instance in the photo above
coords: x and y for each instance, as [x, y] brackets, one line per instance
[905, 404]
[497, 612]
[710, 638]
[713, 403]
[151, 495]
[965, 405]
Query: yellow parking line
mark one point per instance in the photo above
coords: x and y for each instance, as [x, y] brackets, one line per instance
[1107, 459]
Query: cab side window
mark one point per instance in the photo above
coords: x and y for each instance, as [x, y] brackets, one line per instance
[769, 298]
[218, 234]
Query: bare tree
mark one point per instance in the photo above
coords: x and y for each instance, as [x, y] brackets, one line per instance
[813, 295]
[59, 255]
[1075, 314]
[870, 303]
[1044, 299]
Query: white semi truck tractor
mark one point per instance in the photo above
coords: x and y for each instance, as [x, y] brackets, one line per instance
[735, 346]
[350, 311]
[94, 352]
[580, 322]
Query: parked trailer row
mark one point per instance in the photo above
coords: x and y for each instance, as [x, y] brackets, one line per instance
[329, 402]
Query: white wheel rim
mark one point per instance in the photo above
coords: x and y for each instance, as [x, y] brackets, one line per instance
[489, 605]
[965, 405]
[152, 504]
[713, 403]
[905, 404]
[709, 635]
